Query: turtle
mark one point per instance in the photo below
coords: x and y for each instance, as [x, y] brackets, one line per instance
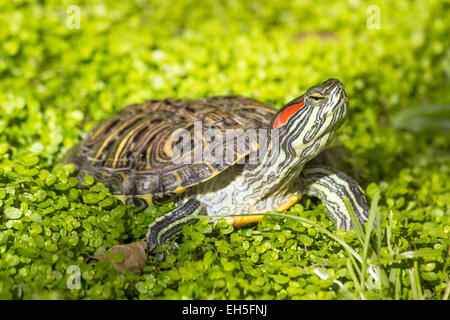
[221, 156]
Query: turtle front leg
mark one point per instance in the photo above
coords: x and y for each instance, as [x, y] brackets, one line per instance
[330, 186]
[169, 225]
[134, 255]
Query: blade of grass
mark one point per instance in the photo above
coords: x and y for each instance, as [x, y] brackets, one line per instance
[342, 288]
[417, 277]
[425, 252]
[366, 243]
[349, 249]
[380, 281]
[398, 284]
[381, 272]
[378, 232]
[429, 117]
[394, 280]
[355, 266]
[356, 224]
[412, 278]
[345, 291]
[446, 292]
[358, 228]
[389, 233]
[353, 275]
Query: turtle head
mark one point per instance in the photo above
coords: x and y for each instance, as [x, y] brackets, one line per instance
[308, 123]
[329, 96]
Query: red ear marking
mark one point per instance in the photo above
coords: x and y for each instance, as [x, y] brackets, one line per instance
[284, 116]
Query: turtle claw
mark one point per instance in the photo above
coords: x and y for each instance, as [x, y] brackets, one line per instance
[126, 257]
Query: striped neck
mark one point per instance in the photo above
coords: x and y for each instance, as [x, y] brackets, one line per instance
[299, 132]
[283, 162]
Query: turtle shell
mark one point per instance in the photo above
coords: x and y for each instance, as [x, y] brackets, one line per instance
[130, 153]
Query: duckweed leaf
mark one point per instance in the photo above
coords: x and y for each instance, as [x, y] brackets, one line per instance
[13, 213]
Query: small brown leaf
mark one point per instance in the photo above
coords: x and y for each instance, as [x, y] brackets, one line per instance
[132, 256]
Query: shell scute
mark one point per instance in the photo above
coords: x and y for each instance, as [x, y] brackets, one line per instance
[131, 152]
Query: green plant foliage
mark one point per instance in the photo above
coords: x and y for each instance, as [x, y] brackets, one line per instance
[58, 82]
[434, 118]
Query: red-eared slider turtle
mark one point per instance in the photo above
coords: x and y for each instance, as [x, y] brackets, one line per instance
[140, 155]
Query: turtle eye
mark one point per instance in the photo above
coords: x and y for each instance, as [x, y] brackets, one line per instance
[316, 98]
